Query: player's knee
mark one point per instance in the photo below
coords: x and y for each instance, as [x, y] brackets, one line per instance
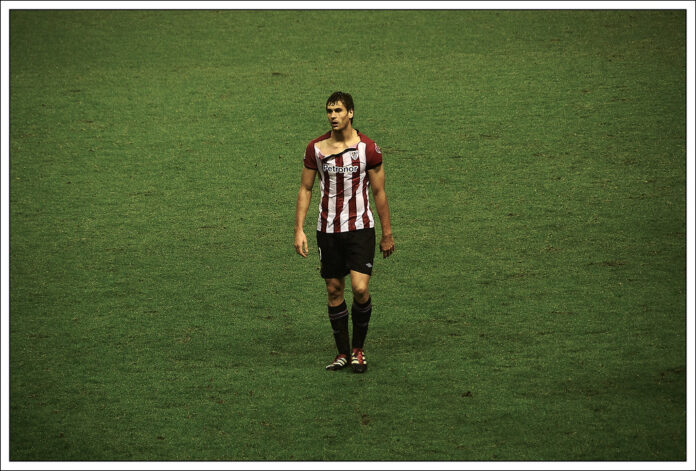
[361, 292]
[334, 291]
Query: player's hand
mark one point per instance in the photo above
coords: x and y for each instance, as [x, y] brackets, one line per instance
[386, 245]
[301, 244]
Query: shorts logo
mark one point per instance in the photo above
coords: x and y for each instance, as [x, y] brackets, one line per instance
[335, 169]
[369, 265]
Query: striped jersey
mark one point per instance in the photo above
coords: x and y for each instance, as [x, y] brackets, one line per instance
[344, 204]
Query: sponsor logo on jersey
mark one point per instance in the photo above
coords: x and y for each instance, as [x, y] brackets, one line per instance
[335, 169]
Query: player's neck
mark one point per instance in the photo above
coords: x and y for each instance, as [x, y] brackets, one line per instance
[344, 135]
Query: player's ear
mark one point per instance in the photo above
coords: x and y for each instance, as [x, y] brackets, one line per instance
[350, 113]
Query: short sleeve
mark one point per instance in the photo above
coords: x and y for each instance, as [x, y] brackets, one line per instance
[310, 160]
[373, 155]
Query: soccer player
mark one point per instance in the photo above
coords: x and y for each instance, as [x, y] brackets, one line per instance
[348, 164]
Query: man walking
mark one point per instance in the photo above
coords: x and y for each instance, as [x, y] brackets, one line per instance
[348, 164]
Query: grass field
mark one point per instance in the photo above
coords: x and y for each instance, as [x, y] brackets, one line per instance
[534, 308]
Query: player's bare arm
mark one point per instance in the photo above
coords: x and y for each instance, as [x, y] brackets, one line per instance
[376, 176]
[304, 196]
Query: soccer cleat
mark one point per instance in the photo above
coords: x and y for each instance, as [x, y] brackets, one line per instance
[358, 361]
[340, 362]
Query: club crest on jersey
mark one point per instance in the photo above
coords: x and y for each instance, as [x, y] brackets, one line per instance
[354, 155]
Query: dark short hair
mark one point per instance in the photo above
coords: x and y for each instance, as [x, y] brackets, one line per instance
[344, 98]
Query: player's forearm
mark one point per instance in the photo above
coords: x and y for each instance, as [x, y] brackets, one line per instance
[383, 211]
[304, 196]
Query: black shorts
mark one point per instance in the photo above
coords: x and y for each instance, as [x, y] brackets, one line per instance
[345, 251]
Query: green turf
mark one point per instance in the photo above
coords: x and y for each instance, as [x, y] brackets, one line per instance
[534, 308]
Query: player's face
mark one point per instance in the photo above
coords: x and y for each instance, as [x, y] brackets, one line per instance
[339, 117]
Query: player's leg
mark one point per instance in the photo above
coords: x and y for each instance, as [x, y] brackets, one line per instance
[338, 316]
[362, 307]
[360, 262]
[333, 271]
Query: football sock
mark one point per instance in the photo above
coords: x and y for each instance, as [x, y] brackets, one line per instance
[361, 319]
[338, 315]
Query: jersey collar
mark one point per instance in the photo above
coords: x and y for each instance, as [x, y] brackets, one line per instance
[348, 149]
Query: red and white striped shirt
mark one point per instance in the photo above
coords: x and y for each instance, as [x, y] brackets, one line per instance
[344, 205]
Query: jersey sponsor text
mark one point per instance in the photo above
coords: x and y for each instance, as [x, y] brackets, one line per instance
[335, 169]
